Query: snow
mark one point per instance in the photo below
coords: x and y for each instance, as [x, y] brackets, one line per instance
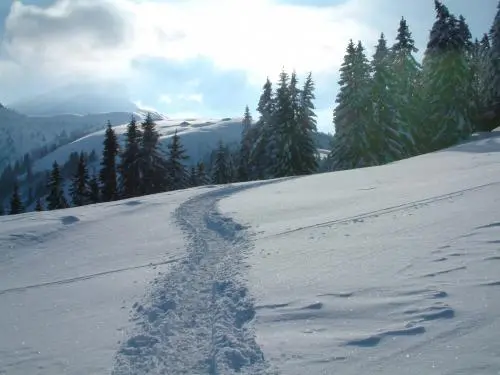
[383, 270]
[199, 137]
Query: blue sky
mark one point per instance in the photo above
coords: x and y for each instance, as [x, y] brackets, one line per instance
[200, 57]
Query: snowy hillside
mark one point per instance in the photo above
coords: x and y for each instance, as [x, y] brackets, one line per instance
[384, 270]
[20, 134]
[199, 137]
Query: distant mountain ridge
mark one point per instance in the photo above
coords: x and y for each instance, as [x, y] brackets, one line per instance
[77, 99]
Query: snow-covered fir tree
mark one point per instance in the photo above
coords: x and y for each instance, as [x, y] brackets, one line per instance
[262, 148]
[152, 164]
[201, 174]
[177, 171]
[387, 135]
[493, 76]
[480, 64]
[245, 147]
[79, 189]
[448, 83]
[39, 205]
[130, 176]
[284, 129]
[108, 172]
[193, 177]
[406, 88]
[56, 199]
[307, 127]
[94, 190]
[221, 173]
[16, 205]
[352, 115]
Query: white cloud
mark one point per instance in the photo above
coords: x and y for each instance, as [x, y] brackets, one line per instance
[198, 98]
[257, 36]
[164, 98]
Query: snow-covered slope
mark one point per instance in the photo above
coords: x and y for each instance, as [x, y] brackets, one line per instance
[199, 137]
[385, 270]
[20, 134]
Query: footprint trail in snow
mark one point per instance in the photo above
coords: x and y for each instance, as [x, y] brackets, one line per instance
[197, 318]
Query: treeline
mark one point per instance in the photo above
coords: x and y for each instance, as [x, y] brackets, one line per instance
[393, 107]
[388, 108]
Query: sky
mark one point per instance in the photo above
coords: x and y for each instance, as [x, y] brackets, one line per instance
[208, 58]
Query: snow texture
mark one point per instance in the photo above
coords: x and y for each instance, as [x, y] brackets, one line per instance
[382, 270]
[197, 319]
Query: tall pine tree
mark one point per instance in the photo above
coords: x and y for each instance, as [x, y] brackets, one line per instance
[130, 174]
[245, 147]
[152, 165]
[353, 113]
[39, 205]
[56, 199]
[306, 119]
[108, 174]
[201, 174]
[79, 189]
[493, 75]
[221, 173]
[16, 205]
[387, 135]
[448, 82]
[283, 157]
[94, 190]
[262, 149]
[406, 90]
[177, 171]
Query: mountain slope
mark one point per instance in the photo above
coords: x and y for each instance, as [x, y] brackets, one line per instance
[198, 136]
[20, 134]
[383, 270]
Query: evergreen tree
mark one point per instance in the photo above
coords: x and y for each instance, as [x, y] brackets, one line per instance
[406, 89]
[38, 206]
[353, 113]
[201, 174]
[108, 175]
[16, 205]
[2, 211]
[79, 189]
[306, 119]
[130, 174]
[263, 149]
[221, 173]
[177, 172]
[193, 177]
[245, 147]
[493, 75]
[94, 190]
[56, 199]
[152, 165]
[448, 82]
[386, 132]
[284, 158]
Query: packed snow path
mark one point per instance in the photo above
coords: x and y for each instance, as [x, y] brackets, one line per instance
[196, 319]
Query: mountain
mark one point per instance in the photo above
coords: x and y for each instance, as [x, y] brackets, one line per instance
[198, 136]
[382, 270]
[78, 99]
[20, 134]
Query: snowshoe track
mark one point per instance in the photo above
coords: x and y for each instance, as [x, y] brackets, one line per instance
[197, 319]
